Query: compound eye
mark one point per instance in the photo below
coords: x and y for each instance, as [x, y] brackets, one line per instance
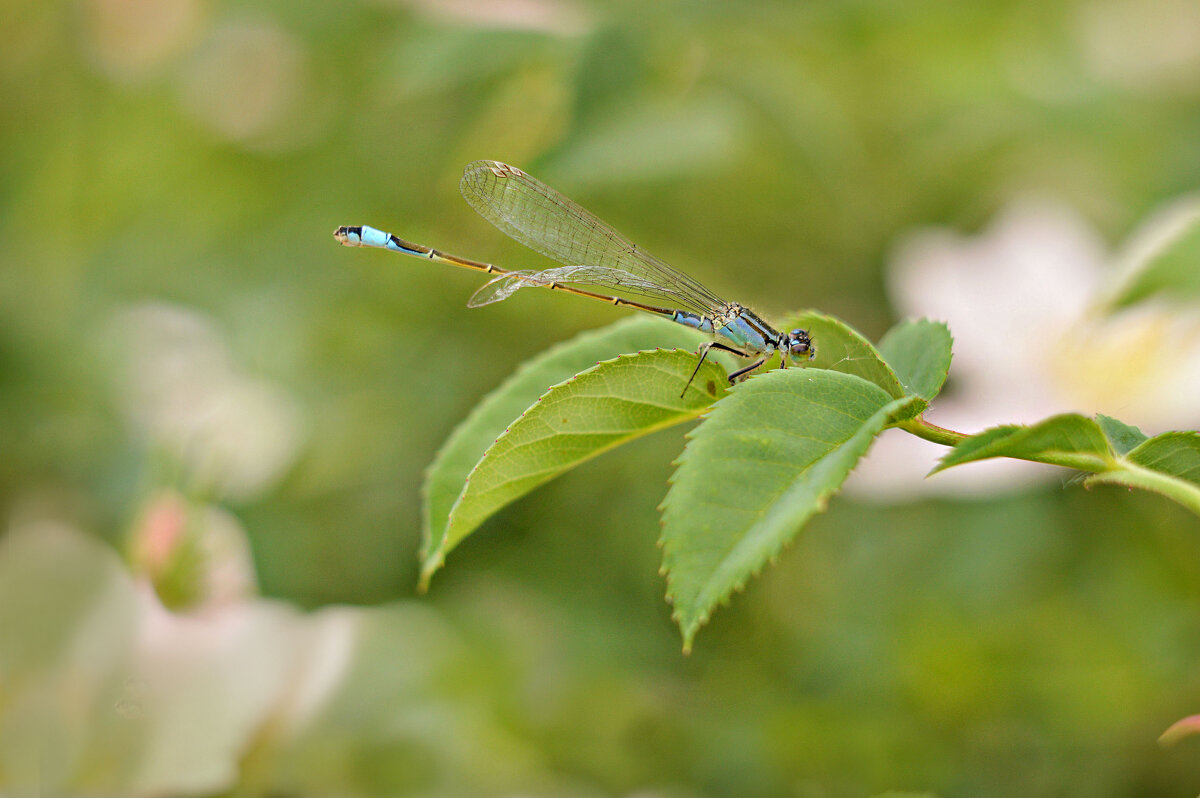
[799, 343]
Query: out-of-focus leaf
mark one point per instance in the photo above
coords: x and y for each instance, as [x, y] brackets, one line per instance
[919, 351]
[840, 348]
[445, 478]
[393, 705]
[1122, 436]
[766, 459]
[451, 57]
[1167, 262]
[652, 141]
[603, 407]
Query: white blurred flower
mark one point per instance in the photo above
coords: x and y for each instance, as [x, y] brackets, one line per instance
[1020, 300]
[231, 433]
[249, 82]
[109, 693]
[106, 692]
[1142, 44]
[205, 684]
[134, 39]
[1141, 365]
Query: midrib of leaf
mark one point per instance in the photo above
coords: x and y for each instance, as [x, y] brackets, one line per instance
[619, 438]
[1075, 460]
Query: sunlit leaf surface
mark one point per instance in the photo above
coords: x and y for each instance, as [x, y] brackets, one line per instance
[603, 407]
[446, 476]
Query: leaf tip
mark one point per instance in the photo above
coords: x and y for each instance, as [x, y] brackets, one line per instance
[429, 566]
[688, 630]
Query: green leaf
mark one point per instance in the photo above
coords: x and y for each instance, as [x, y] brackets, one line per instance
[1122, 436]
[1168, 464]
[1168, 263]
[594, 411]
[918, 351]
[1175, 454]
[447, 474]
[1114, 452]
[1069, 440]
[840, 348]
[766, 458]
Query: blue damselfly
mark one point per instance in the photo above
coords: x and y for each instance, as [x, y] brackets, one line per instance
[593, 254]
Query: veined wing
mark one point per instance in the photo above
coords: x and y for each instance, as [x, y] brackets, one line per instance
[537, 216]
[505, 285]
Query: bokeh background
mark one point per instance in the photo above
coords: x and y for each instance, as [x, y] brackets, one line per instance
[214, 421]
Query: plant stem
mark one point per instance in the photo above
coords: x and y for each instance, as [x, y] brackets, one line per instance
[932, 432]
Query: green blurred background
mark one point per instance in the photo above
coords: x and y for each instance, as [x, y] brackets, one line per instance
[170, 174]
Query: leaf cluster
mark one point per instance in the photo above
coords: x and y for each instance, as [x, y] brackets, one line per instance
[768, 452]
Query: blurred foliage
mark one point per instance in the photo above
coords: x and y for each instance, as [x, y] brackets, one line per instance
[178, 166]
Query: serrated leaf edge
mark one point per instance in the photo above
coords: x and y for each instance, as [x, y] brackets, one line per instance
[821, 505]
[891, 416]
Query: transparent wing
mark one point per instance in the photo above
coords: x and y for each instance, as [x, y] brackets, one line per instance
[537, 216]
[502, 287]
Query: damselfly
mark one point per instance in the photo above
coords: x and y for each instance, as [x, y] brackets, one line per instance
[593, 254]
